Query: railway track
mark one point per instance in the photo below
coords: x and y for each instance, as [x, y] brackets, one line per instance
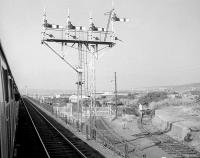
[57, 141]
[26, 134]
[117, 141]
[171, 146]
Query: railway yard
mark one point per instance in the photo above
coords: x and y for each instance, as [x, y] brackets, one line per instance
[144, 138]
[152, 136]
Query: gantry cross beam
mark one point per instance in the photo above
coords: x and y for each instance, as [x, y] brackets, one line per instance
[85, 42]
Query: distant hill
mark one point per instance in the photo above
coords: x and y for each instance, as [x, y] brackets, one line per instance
[184, 87]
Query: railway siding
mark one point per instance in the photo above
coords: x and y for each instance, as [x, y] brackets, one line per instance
[165, 142]
[185, 124]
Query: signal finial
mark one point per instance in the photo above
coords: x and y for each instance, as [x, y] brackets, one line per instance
[112, 4]
[44, 16]
[91, 19]
[68, 15]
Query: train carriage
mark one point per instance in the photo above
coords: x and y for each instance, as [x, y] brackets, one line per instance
[9, 100]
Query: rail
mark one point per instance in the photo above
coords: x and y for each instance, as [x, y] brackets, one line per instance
[36, 130]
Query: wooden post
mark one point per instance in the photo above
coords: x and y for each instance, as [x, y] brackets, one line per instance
[66, 120]
[87, 132]
[82, 124]
[126, 150]
[115, 95]
[94, 134]
[77, 125]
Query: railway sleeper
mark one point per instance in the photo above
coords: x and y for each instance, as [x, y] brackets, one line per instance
[187, 151]
[56, 147]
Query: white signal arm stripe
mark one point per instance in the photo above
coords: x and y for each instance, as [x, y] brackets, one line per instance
[123, 19]
[101, 29]
[80, 28]
[57, 26]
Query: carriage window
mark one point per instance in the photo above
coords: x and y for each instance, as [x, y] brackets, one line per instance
[11, 88]
[5, 83]
[1, 91]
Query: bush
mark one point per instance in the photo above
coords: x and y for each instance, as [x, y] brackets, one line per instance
[131, 111]
[195, 93]
[170, 102]
[131, 95]
[152, 97]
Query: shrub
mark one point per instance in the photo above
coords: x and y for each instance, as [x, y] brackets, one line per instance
[152, 97]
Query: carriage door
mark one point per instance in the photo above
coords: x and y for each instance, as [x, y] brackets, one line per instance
[4, 131]
[1, 114]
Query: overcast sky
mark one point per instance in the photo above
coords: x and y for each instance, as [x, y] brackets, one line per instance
[161, 43]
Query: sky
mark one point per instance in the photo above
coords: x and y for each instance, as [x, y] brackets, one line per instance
[160, 42]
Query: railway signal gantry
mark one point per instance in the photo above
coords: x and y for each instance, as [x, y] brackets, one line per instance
[88, 42]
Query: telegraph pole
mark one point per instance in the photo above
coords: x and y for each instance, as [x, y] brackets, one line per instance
[115, 95]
